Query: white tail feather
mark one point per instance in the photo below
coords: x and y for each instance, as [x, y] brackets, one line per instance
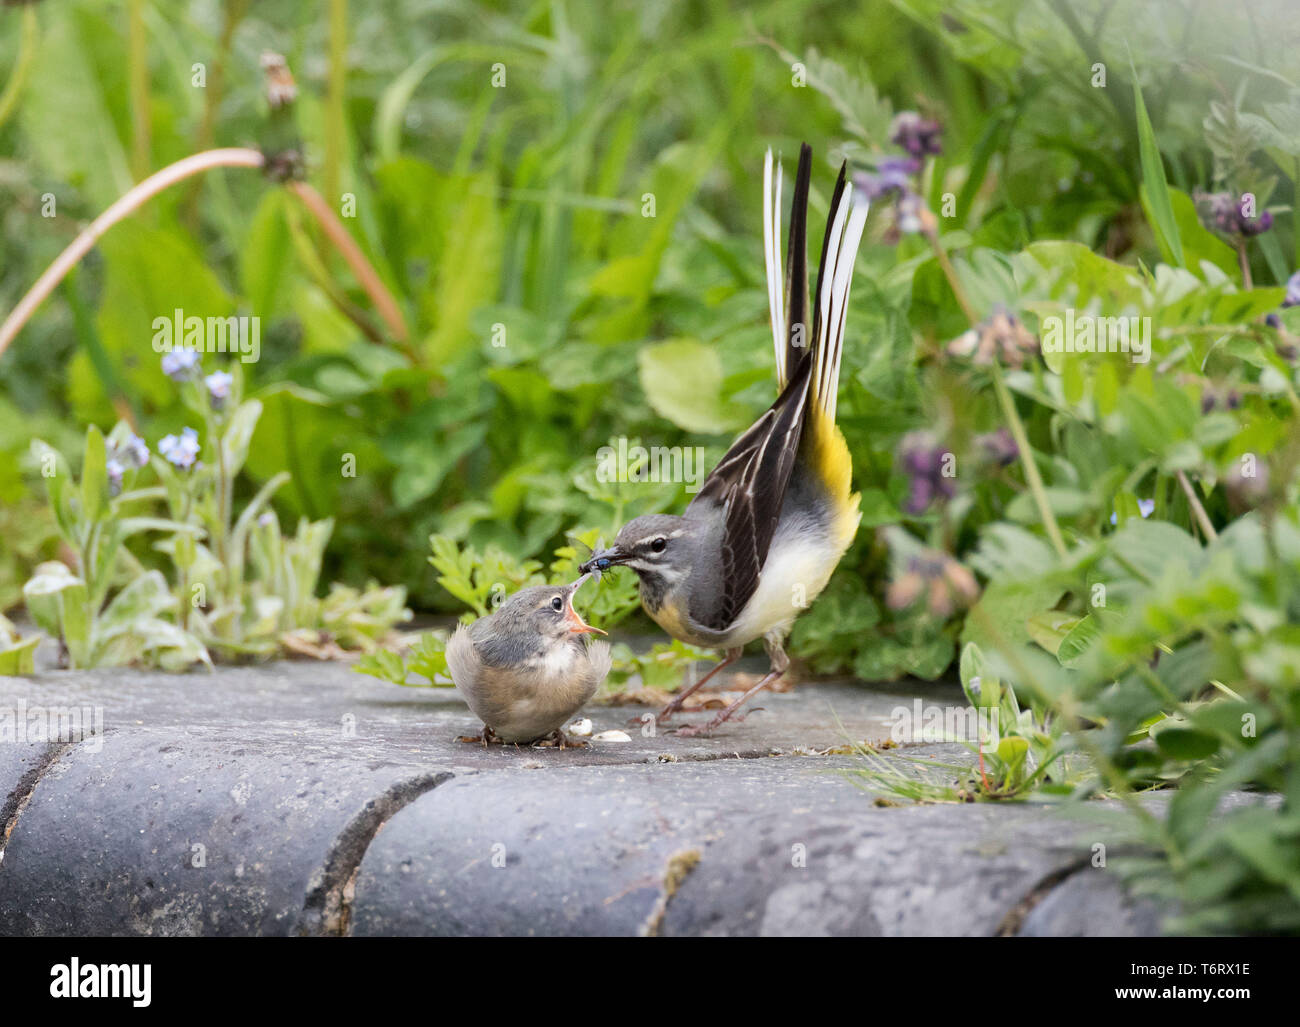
[775, 264]
[836, 282]
[845, 229]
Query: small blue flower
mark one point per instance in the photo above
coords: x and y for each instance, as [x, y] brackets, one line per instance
[181, 452]
[134, 451]
[1292, 291]
[180, 364]
[115, 471]
[1146, 507]
[218, 384]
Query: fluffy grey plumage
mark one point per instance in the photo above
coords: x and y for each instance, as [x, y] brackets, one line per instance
[525, 670]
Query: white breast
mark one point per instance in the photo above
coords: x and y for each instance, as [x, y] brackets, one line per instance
[797, 569]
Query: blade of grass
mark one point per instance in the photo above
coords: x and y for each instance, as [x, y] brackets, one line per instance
[1154, 185]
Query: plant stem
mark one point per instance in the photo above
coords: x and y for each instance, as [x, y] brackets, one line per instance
[931, 232]
[1202, 517]
[335, 124]
[1244, 261]
[1032, 478]
[138, 74]
[366, 275]
[129, 202]
[22, 66]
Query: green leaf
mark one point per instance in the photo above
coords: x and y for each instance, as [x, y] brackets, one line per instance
[57, 601]
[266, 257]
[682, 379]
[238, 434]
[1155, 189]
[383, 664]
[94, 476]
[1180, 741]
[1050, 629]
[17, 655]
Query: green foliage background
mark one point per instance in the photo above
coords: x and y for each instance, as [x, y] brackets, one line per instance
[549, 314]
[521, 207]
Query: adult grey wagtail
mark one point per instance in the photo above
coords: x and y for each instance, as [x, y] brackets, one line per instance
[759, 541]
[526, 669]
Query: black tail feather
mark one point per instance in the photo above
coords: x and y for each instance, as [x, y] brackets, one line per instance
[798, 328]
[840, 184]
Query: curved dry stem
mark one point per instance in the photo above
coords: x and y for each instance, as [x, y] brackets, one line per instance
[365, 273]
[130, 202]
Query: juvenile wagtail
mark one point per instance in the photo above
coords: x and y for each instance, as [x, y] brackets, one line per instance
[526, 669]
[760, 539]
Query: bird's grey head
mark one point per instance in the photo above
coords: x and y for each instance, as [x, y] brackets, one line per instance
[657, 546]
[542, 610]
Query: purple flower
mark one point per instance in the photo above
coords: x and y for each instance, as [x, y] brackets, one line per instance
[891, 175]
[1212, 397]
[1001, 335]
[1222, 212]
[218, 383]
[924, 460]
[180, 364]
[999, 447]
[1255, 225]
[935, 576]
[115, 471]
[917, 135]
[1292, 298]
[181, 452]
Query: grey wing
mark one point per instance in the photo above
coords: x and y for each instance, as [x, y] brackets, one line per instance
[749, 484]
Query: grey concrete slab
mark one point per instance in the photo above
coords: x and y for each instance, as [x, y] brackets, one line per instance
[302, 798]
[202, 831]
[730, 847]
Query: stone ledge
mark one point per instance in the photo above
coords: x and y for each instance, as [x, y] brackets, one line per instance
[325, 802]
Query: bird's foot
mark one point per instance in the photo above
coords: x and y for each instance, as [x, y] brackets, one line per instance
[557, 739]
[485, 738]
[705, 730]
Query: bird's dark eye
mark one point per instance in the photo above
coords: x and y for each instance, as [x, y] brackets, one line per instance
[557, 603]
[657, 546]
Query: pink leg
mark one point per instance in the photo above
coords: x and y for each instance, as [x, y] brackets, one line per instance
[780, 663]
[730, 656]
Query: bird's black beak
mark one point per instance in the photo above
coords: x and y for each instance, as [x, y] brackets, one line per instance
[602, 560]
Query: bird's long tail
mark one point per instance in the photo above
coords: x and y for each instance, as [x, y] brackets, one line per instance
[824, 449]
[787, 282]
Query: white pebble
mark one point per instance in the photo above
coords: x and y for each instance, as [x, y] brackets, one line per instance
[612, 736]
[581, 728]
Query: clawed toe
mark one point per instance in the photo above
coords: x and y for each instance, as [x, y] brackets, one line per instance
[557, 739]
